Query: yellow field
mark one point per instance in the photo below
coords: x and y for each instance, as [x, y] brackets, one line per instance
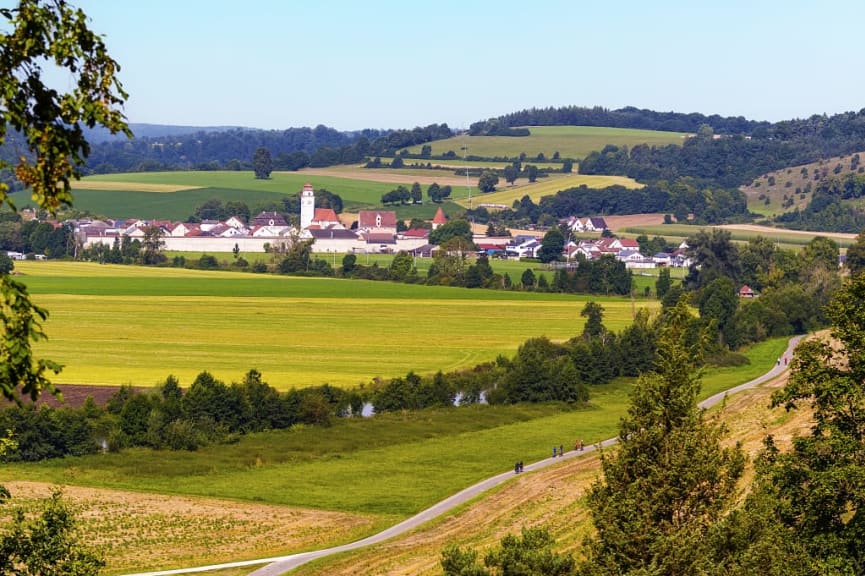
[91, 184]
[132, 325]
[546, 187]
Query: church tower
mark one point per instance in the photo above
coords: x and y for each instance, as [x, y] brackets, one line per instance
[307, 206]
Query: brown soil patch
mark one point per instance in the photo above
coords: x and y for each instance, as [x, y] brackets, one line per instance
[136, 531]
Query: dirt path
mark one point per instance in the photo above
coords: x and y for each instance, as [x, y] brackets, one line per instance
[583, 460]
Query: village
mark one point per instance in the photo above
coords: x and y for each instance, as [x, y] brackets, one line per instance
[372, 232]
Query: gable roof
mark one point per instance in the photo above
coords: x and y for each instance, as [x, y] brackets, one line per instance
[269, 219]
[376, 219]
[324, 215]
[416, 233]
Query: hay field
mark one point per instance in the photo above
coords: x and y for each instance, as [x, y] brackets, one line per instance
[569, 141]
[128, 325]
[544, 187]
[116, 185]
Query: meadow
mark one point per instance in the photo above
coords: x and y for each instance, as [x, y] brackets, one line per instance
[179, 193]
[131, 325]
[569, 141]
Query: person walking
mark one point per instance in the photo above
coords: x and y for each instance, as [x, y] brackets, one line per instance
[561, 450]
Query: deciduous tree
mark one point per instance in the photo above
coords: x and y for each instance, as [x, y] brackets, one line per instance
[36, 34]
[262, 163]
[487, 181]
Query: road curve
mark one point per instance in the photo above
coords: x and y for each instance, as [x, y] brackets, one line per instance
[281, 564]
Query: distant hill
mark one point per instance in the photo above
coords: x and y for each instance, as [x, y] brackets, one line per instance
[99, 134]
[792, 188]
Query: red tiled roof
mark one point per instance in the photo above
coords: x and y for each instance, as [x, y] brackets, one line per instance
[369, 218]
[416, 233]
[440, 217]
[324, 215]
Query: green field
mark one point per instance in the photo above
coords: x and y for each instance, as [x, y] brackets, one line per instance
[126, 199]
[569, 141]
[130, 325]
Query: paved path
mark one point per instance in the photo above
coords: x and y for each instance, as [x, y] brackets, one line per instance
[281, 564]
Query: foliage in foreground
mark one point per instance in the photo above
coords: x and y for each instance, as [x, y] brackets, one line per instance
[670, 480]
[46, 545]
[525, 555]
[50, 125]
[807, 512]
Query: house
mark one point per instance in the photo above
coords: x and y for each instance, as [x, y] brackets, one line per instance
[575, 224]
[325, 219]
[376, 221]
[268, 219]
[415, 233]
[663, 259]
[523, 247]
[595, 225]
[235, 222]
[747, 292]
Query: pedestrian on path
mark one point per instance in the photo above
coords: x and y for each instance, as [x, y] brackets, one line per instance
[561, 450]
[554, 451]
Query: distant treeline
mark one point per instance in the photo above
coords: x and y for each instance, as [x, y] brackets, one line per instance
[683, 198]
[233, 149]
[628, 117]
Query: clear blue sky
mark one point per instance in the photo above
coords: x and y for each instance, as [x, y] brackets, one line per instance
[385, 64]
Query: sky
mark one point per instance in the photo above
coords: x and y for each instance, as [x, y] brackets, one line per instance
[349, 65]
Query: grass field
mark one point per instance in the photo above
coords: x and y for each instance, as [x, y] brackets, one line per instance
[109, 197]
[569, 141]
[129, 325]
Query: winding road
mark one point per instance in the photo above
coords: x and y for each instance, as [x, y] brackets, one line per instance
[281, 564]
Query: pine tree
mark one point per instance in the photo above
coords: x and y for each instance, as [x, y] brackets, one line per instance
[669, 480]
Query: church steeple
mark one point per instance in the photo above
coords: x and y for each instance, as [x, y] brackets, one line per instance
[307, 206]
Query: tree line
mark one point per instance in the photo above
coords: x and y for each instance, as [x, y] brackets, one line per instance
[627, 117]
[234, 149]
